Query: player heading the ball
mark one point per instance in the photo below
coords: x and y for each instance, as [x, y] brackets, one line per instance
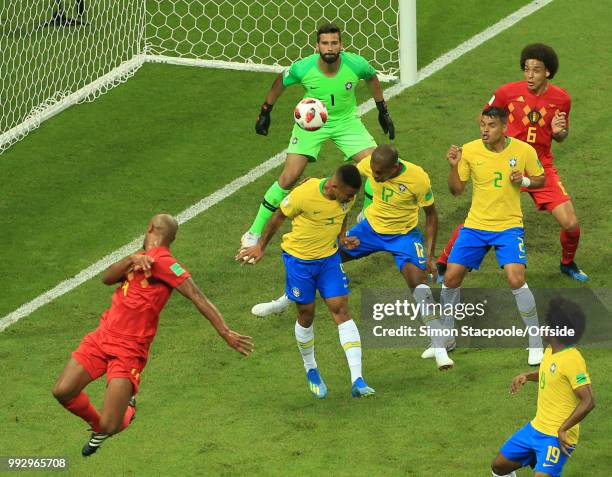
[318, 211]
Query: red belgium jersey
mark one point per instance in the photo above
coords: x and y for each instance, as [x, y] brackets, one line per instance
[530, 116]
[138, 301]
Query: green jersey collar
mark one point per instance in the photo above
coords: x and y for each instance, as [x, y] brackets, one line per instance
[321, 185]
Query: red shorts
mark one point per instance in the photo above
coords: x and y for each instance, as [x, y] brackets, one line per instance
[101, 353]
[551, 195]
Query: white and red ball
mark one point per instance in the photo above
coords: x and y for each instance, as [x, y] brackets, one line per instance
[310, 114]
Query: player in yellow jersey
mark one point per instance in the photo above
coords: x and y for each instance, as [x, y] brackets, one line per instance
[565, 398]
[400, 189]
[496, 165]
[318, 209]
[390, 224]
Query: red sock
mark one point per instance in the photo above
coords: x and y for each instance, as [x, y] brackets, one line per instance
[449, 246]
[127, 417]
[82, 407]
[569, 244]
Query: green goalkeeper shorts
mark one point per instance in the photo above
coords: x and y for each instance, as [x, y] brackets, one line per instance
[350, 135]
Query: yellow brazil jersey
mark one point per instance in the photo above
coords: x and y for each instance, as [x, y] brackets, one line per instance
[496, 202]
[396, 202]
[560, 374]
[317, 221]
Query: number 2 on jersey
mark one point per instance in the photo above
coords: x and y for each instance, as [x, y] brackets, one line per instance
[498, 177]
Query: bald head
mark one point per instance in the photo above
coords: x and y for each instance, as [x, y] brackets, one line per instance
[385, 163]
[385, 156]
[164, 227]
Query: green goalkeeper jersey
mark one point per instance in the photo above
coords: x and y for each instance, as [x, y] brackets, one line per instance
[337, 92]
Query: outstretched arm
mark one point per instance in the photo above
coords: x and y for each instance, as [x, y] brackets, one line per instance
[242, 344]
[263, 120]
[255, 253]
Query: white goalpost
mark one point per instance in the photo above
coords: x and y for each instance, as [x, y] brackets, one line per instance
[56, 53]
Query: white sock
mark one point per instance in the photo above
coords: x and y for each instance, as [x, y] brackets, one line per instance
[351, 342]
[449, 296]
[284, 299]
[511, 474]
[423, 297]
[305, 341]
[529, 313]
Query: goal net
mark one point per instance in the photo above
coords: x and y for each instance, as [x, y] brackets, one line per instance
[56, 53]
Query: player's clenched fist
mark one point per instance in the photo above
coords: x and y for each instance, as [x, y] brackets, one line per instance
[454, 155]
[559, 122]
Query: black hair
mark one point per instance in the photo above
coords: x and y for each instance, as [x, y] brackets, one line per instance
[328, 28]
[495, 112]
[543, 53]
[385, 155]
[349, 175]
[563, 313]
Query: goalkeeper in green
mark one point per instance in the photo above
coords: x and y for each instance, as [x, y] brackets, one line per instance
[330, 75]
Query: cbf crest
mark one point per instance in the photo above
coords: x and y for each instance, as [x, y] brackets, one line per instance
[402, 188]
[553, 368]
[512, 162]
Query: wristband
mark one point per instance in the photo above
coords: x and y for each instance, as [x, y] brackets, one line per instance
[526, 182]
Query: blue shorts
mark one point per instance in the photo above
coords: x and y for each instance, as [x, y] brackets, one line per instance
[473, 244]
[405, 248]
[305, 277]
[540, 451]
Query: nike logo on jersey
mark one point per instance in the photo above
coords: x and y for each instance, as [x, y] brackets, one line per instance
[317, 212]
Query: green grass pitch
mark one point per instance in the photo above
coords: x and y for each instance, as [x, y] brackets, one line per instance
[86, 182]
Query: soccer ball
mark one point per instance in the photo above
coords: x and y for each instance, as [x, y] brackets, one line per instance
[310, 114]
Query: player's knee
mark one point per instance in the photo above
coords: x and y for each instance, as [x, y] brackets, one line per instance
[305, 317]
[452, 281]
[516, 280]
[497, 467]
[570, 224]
[61, 392]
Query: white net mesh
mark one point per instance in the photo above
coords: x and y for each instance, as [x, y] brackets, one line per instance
[56, 53]
[271, 32]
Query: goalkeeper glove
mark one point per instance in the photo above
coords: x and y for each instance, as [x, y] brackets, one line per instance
[263, 120]
[385, 120]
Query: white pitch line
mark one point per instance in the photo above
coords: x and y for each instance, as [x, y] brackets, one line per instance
[255, 173]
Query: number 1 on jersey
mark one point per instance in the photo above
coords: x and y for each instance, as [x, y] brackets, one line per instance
[332, 100]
